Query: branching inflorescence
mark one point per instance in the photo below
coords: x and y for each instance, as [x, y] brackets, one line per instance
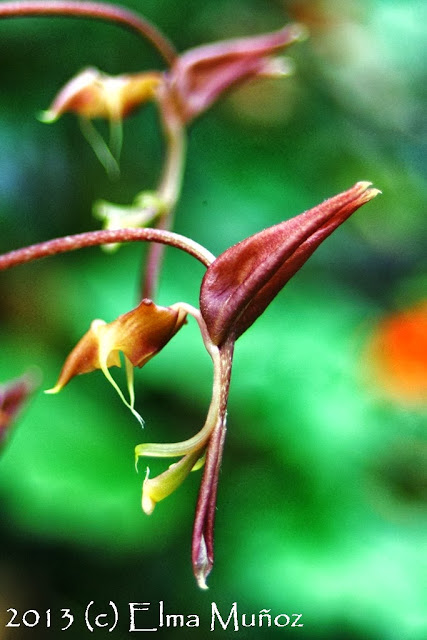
[237, 286]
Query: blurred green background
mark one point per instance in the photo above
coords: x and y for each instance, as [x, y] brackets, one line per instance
[322, 499]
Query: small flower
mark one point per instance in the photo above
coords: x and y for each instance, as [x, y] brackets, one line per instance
[242, 281]
[138, 334]
[200, 76]
[194, 82]
[236, 289]
[93, 94]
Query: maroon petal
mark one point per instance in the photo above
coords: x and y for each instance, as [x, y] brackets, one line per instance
[201, 75]
[243, 280]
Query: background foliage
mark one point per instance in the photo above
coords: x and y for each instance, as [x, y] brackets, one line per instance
[322, 503]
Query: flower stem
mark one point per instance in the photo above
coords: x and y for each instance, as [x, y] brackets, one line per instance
[203, 531]
[198, 441]
[95, 10]
[168, 194]
[95, 238]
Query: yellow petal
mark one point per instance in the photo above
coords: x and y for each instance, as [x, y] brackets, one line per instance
[93, 94]
[84, 358]
[160, 487]
[144, 331]
[138, 334]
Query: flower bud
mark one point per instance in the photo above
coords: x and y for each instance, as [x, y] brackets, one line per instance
[242, 281]
[201, 75]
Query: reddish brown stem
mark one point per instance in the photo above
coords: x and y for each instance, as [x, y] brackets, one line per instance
[94, 238]
[168, 191]
[95, 10]
[203, 531]
[153, 265]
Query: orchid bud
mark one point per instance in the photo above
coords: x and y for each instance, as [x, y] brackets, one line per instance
[201, 75]
[93, 94]
[242, 281]
[139, 334]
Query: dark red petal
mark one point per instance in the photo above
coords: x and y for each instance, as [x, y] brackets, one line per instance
[201, 75]
[243, 280]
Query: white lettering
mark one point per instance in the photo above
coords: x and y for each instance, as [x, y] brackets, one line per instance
[264, 613]
[138, 606]
[232, 616]
[67, 615]
[294, 623]
[11, 623]
[281, 615]
[33, 613]
[98, 619]
[248, 624]
[177, 620]
[193, 621]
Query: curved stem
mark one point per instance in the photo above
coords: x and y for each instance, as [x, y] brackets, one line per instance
[173, 170]
[198, 441]
[95, 238]
[96, 10]
[168, 193]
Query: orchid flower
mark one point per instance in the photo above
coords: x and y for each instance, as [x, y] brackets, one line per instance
[236, 289]
[194, 81]
[237, 286]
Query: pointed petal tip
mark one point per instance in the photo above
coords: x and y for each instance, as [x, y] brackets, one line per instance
[138, 416]
[365, 185]
[366, 190]
[56, 389]
[201, 582]
[202, 565]
[299, 32]
[47, 117]
[148, 505]
[278, 67]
